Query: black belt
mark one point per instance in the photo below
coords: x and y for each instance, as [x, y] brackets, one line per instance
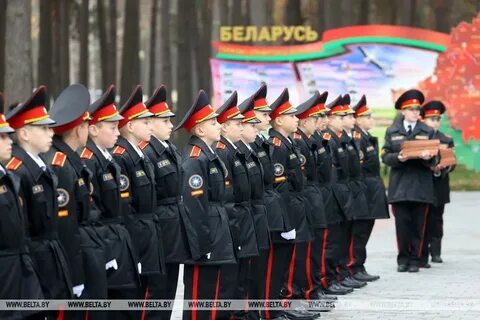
[170, 200]
[112, 220]
[258, 202]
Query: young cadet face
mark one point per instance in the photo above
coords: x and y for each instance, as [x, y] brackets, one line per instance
[140, 128]
[335, 122]
[322, 123]
[38, 138]
[432, 122]
[365, 122]
[249, 132]
[105, 134]
[308, 125]
[5, 147]
[289, 123]
[208, 130]
[82, 133]
[232, 129]
[162, 128]
[411, 114]
[348, 122]
[264, 117]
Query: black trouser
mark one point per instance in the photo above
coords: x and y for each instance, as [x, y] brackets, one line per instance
[201, 283]
[315, 263]
[433, 233]
[277, 266]
[258, 270]
[361, 231]
[295, 280]
[167, 288]
[410, 224]
[345, 239]
[336, 250]
[234, 285]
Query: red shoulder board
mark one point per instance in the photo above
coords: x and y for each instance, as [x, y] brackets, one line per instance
[297, 136]
[86, 154]
[357, 135]
[59, 159]
[326, 136]
[142, 145]
[220, 145]
[195, 152]
[14, 164]
[277, 142]
[118, 150]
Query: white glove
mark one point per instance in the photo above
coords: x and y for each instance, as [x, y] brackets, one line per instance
[208, 255]
[139, 266]
[77, 290]
[289, 235]
[111, 264]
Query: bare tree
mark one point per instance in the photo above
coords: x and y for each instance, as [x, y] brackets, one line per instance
[201, 41]
[165, 46]
[112, 43]
[45, 42]
[18, 51]
[153, 47]
[131, 46]
[3, 9]
[84, 31]
[364, 12]
[442, 11]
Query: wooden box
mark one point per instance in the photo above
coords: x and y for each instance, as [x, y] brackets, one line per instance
[413, 149]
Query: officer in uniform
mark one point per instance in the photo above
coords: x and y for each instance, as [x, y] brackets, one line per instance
[74, 186]
[410, 190]
[431, 113]
[204, 197]
[289, 182]
[237, 202]
[18, 276]
[308, 273]
[121, 258]
[340, 215]
[178, 233]
[137, 190]
[38, 195]
[375, 190]
[253, 166]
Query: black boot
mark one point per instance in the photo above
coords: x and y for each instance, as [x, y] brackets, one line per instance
[335, 288]
[437, 259]
[365, 277]
[350, 282]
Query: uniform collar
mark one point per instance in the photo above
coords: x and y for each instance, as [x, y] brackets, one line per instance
[196, 141]
[36, 158]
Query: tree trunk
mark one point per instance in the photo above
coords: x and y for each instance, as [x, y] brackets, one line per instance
[153, 47]
[442, 10]
[3, 9]
[165, 43]
[131, 45]
[45, 44]
[84, 30]
[364, 12]
[316, 17]
[112, 44]
[332, 14]
[64, 47]
[18, 51]
[348, 13]
[202, 47]
[292, 15]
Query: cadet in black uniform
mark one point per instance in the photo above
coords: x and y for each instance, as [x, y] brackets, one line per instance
[38, 194]
[289, 182]
[308, 271]
[237, 202]
[356, 184]
[341, 214]
[137, 190]
[410, 189]
[18, 277]
[375, 191]
[432, 113]
[74, 186]
[121, 258]
[255, 174]
[178, 234]
[204, 197]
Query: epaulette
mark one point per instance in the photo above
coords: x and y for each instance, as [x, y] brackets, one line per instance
[59, 159]
[142, 145]
[196, 150]
[326, 136]
[14, 164]
[118, 150]
[277, 142]
[356, 135]
[86, 154]
[297, 136]
[220, 145]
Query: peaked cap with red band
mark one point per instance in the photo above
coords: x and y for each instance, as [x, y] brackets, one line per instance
[157, 103]
[410, 99]
[200, 111]
[313, 107]
[361, 109]
[229, 110]
[134, 108]
[4, 125]
[70, 108]
[247, 109]
[432, 108]
[337, 107]
[31, 112]
[282, 106]
[104, 109]
[260, 99]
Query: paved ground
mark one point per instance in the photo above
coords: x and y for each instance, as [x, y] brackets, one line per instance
[456, 280]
